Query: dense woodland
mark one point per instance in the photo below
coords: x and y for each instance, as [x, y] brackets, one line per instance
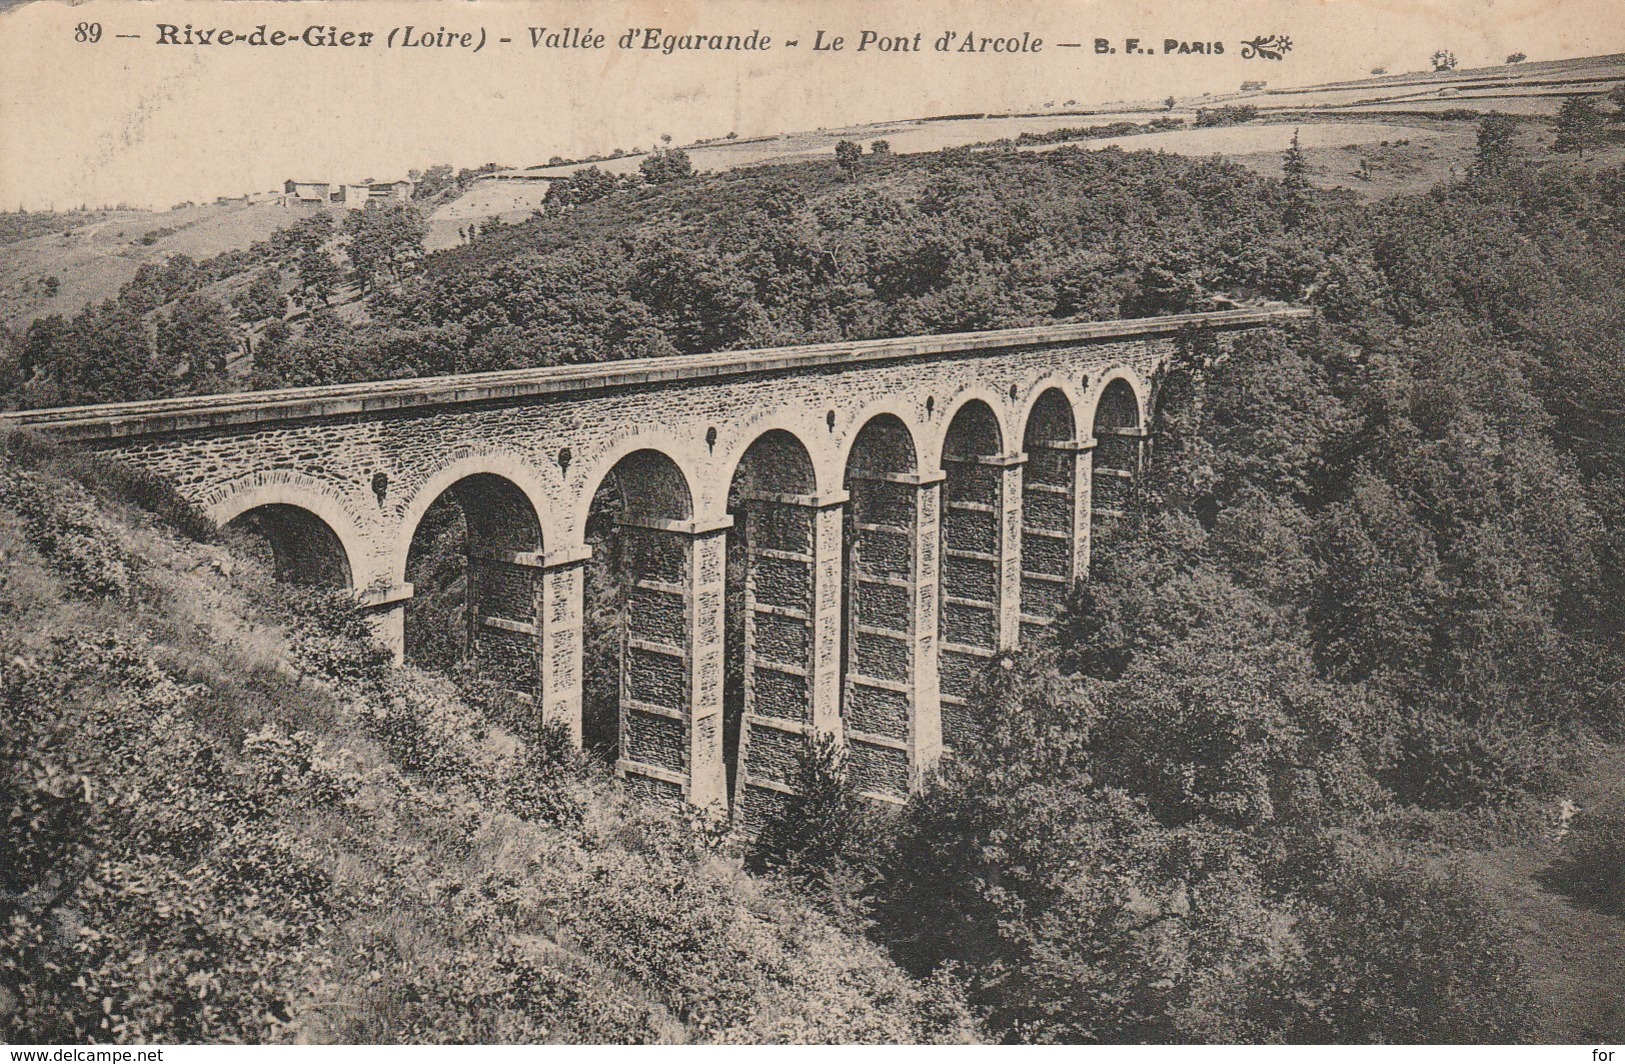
[1361, 627]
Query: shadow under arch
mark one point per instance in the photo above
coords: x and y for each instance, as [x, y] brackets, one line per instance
[976, 622]
[305, 550]
[888, 658]
[309, 533]
[641, 468]
[985, 420]
[473, 558]
[1119, 432]
[652, 684]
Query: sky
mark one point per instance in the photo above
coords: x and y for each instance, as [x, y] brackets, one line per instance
[135, 121]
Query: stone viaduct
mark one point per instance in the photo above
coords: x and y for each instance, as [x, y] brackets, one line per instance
[897, 512]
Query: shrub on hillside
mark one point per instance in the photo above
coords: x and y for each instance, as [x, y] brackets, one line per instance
[819, 828]
[62, 523]
[114, 479]
[201, 848]
[1389, 950]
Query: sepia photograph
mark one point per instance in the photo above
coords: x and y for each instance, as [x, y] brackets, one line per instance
[660, 522]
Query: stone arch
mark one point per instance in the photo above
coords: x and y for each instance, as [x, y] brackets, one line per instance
[883, 444]
[655, 470]
[974, 429]
[949, 412]
[782, 455]
[1043, 390]
[1111, 395]
[462, 465]
[314, 537]
[1050, 417]
[815, 438]
[785, 431]
[904, 414]
[651, 484]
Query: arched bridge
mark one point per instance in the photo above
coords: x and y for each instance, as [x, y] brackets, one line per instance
[900, 511]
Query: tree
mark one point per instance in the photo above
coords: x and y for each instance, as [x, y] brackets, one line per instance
[103, 355]
[1616, 96]
[848, 153]
[1579, 126]
[587, 185]
[1389, 950]
[1294, 167]
[822, 826]
[666, 166]
[1443, 61]
[1496, 150]
[433, 181]
[199, 338]
[1170, 103]
[307, 234]
[700, 300]
[384, 242]
[880, 147]
[1516, 57]
[1378, 71]
[263, 298]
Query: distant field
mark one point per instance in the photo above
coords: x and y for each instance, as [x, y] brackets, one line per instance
[92, 261]
[514, 198]
[1538, 104]
[1252, 138]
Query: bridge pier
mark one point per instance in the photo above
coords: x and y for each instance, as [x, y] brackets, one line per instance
[1055, 526]
[981, 602]
[893, 710]
[385, 609]
[792, 642]
[671, 658]
[561, 587]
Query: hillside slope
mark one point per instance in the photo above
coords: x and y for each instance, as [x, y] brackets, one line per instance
[228, 821]
[92, 260]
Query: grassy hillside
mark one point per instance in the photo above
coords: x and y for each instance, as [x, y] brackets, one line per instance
[227, 820]
[102, 250]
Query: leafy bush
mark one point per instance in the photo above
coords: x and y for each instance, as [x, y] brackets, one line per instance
[825, 825]
[70, 533]
[1228, 115]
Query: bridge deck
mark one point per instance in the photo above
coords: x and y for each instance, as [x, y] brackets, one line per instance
[122, 420]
